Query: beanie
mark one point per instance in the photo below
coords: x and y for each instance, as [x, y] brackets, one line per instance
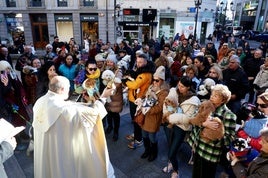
[112, 57]
[173, 96]
[160, 72]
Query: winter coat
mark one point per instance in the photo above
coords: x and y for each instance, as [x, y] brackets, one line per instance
[257, 168]
[116, 104]
[261, 79]
[188, 108]
[153, 117]
[139, 86]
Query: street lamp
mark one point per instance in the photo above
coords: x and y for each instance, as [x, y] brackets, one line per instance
[232, 9]
[197, 4]
[225, 9]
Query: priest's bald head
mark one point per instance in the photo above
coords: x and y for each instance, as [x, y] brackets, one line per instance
[60, 85]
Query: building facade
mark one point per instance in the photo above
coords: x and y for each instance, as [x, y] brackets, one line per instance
[38, 21]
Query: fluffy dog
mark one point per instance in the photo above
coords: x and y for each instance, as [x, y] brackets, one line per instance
[170, 105]
[204, 89]
[124, 62]
[107, 76]
[91, 89]
[205, 110]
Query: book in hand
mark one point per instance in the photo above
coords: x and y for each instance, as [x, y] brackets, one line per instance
[7, 130]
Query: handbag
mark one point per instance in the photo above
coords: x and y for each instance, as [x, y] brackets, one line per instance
[139, 118]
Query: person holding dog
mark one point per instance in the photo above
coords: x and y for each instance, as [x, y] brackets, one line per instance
[259, 166]
[188, 105]
[156, 94]
[115, 105]
[208, 154]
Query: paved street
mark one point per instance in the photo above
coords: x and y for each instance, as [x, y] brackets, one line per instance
[127, 162]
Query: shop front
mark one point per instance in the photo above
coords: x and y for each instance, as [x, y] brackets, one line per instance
[64, 26]
[89, 26]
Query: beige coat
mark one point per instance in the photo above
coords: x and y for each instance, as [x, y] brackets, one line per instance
[189, 109]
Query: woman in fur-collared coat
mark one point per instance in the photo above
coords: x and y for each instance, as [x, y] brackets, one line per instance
[155, 97]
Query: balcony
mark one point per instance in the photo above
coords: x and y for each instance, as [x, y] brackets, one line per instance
[11, 3]
[87, 3]
[36, 3]
[62, 3]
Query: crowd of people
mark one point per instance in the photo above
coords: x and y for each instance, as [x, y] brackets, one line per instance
[163, 83]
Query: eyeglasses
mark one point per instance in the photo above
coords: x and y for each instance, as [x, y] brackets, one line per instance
[262, 105]
[156, 80]
[91, 69]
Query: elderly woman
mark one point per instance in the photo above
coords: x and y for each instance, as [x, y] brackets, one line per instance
[188, 104]
[153, 117]
[208, 154]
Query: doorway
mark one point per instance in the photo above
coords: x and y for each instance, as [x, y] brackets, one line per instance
[39, 30]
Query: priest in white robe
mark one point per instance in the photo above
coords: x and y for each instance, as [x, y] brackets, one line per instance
[69, 141]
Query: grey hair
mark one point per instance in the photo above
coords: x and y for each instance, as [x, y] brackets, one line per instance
[57, 83]
[224, 91]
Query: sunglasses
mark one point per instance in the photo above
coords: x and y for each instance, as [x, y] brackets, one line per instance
[156, 80]
[91, 69]
[262, 105]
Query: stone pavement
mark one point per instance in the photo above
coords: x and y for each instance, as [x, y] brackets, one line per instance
[126, 162]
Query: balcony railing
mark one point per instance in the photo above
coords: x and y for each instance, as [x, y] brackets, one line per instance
[87, 3]
[11, 3]
[36, 3]
[62, 3]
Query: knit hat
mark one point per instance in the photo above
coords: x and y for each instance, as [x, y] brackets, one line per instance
[160, 72]
[99, 57]
[173, 96]
[112, 57]
[235, 58]
[225, 44]
[264, 96]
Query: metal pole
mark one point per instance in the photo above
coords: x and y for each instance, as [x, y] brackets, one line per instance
[196, 17]
[107, 38]
[115, 21]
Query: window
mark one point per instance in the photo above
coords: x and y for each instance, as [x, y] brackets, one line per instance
[88, 3]
[11, 3]
[62, 3]
[35, 3]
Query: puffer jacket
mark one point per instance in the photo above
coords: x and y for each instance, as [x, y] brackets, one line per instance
[138, 87]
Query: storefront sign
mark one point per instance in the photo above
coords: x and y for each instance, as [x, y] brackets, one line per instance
[89, 17]
[63, 17]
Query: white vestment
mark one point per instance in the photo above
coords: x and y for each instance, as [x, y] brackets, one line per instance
[69, 141]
